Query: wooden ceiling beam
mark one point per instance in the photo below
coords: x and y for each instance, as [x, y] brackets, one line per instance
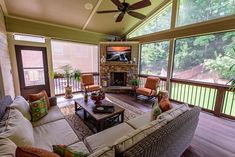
[92, 14]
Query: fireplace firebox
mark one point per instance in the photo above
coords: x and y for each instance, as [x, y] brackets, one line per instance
[118, 78]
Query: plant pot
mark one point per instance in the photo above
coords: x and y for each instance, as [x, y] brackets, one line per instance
[68, 92]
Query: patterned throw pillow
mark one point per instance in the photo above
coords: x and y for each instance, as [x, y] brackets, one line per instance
[156, 111]
[33, 152]
[38, 109]
[38, 96]
[65, 151]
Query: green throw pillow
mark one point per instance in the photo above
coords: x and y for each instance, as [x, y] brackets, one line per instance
[156, 111]
[38, 109]
[65, 151]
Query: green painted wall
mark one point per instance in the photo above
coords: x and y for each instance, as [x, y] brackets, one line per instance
[49, 30]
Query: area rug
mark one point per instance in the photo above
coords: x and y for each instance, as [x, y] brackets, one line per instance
[82, 130]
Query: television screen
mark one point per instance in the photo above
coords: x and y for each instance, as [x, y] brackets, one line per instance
[118, 53]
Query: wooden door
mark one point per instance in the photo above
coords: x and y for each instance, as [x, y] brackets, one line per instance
[32, 69]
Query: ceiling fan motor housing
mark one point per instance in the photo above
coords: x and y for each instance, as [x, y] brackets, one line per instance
[124, 7]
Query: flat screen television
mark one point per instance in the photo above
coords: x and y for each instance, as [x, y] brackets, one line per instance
[118, 53]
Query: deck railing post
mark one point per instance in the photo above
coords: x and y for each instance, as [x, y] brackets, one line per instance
[219, 101]
[170, 65]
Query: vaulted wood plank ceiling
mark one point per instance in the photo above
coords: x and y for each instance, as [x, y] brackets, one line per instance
[77, 13]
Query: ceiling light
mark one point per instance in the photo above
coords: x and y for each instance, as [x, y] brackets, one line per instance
[88, 6]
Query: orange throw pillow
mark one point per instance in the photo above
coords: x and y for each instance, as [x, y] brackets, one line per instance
[34, 152]
[38, 96]
[165, 104]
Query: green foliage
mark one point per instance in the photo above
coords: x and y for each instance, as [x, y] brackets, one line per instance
[207, 50]
[194, 11]
[68, 72]
[159, 22]
[154, 57]
[221, 65]
[135, 82]
[190, 11]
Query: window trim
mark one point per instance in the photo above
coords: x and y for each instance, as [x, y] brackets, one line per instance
[139, 71]
[198, 23]
[195, 82]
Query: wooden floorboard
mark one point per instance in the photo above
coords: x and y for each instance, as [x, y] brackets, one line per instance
[214, 136]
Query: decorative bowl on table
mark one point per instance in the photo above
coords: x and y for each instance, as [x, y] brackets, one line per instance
[98, 97]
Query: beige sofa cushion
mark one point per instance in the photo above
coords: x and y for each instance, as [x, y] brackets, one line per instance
[108, 136]
[22, 105]
[104, 152]
[54, 133]
[54, 114]
[140, 121]
[7, 147]
[18, 129]
[80, 147]
[174, 112]
[137, 135]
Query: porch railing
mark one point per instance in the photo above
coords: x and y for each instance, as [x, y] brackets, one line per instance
[229, 104]
[60, 83]
[213, 98]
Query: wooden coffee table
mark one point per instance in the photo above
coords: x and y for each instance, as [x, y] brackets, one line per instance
[100, 121]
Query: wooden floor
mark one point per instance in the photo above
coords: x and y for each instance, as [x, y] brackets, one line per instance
[214, 137]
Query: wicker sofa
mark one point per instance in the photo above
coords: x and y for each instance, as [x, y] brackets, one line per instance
[168, 136]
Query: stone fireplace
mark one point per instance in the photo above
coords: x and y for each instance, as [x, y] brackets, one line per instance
[115, 75]
[118, 79]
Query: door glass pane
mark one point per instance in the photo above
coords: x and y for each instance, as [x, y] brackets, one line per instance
[32, 58]
[34, 77]
[33, 67]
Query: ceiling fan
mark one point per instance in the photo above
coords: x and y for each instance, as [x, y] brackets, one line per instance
[124, 8]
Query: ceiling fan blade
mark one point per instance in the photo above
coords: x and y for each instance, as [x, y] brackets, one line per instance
[107, 11]
[136, 15]
[117, 2]
[139, 5]
[120, 17]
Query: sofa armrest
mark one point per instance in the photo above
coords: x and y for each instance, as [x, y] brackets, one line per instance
[53, 101]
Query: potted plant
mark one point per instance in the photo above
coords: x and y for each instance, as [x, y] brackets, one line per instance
[68, 73]
[135, 83]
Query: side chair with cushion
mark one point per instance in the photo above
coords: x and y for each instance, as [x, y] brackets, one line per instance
[150, 87]
[87, 83]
